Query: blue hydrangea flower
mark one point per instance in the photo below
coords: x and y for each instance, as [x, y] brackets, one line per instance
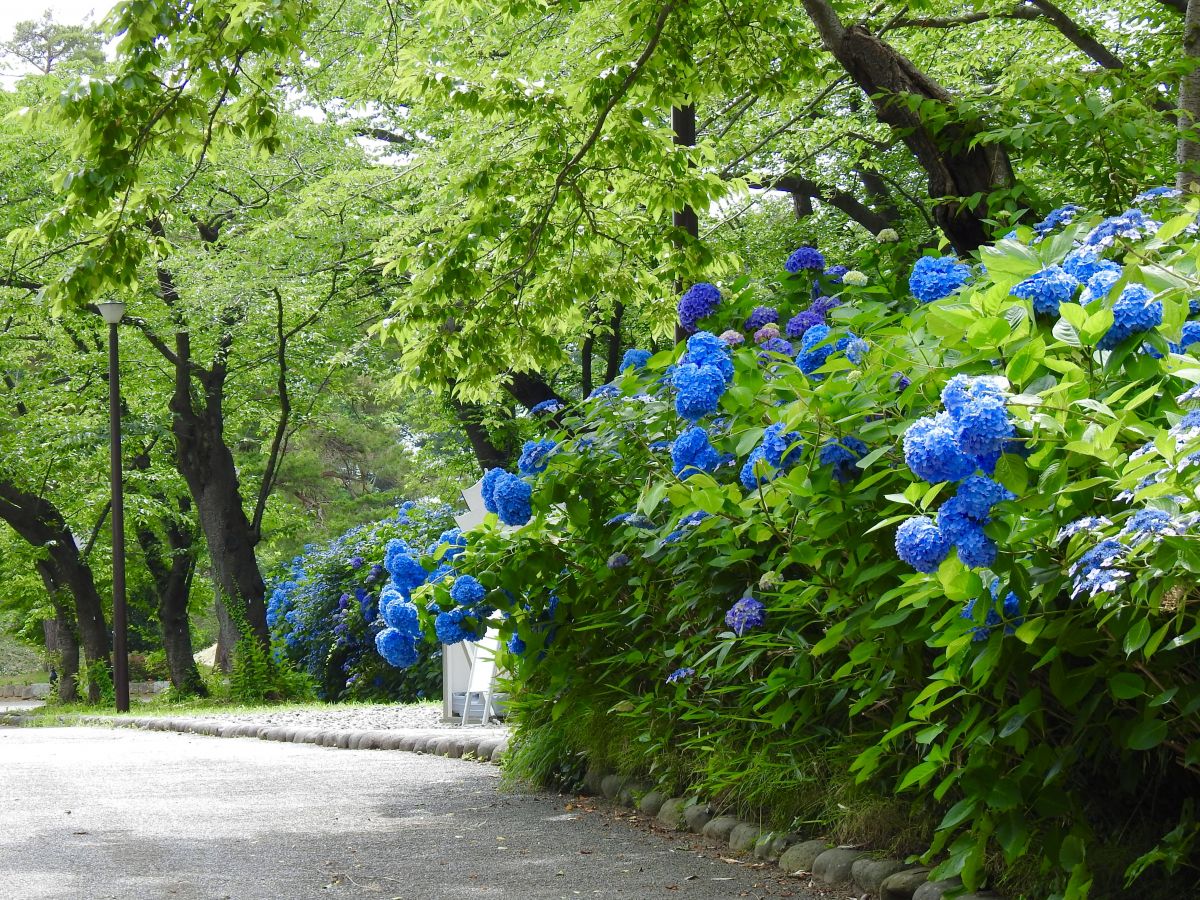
[513, 500]
[983, 427]
[836, 273]
[454, 541]
[698, 390]
[1056, 218]
[698, 302]
[823, 305]
[552, 405]
[932, 452]
[467, 591]
[535, 456]
[843, 455]
[443, 571]
[1047, 289]
[1154, 522]
[449, 627]
[764, 334]
[1101, 283]
[706, 349]
[1134, 312]
[776, 345]
[635, 359]
[812, 354]
[933, 278]
[618, 561]
[403, 617]
[781, 449]
[762, 315]
[975, 549]
[1096, 571]
[634, 520]
[516, 646]
[747, 613]
[798, 324]
[692, 452]
[963, 390]
[805, 259]
[1156, 193]
[356, 562]
[756, 470]
[604, 392]
[900, 381]
[397, 649]
[1189, 336]
[1130, 225]
[681, 674]
[854, 347]
[921, 544]
[1082, 264]
[488, 487]
[407, 574]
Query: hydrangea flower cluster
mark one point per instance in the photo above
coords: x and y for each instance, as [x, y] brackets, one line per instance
[681, 674]
[1047, 289]
[634, 359]
[698, 302]
[702, 376]
[747, 613]
[467, 591]
[843, 455]
[1129, 225]
[535, 457]
[1008, 615]
[762, 315]
[805, 259]
[1056, 218]
[766, 332]
[692, 452]
[778, 451]
[933, 278]
[1134, 312]
[546, 407]
[971, 434]
[732, 338]
[816, 348]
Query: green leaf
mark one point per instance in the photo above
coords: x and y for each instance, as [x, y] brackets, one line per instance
[1126, 685]
[1136, 636]
[1147, 734]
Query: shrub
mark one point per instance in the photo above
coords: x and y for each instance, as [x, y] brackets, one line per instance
[947, 551]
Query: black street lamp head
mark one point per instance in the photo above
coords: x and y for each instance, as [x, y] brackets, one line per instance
[112, 311]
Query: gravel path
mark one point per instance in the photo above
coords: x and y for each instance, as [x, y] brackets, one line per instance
[119, 813]
[384, 717]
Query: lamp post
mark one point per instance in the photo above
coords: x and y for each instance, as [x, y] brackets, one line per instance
[113, 311]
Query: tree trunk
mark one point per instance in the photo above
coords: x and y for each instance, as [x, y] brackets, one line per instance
[227, 634]
[171, 574]
[60, 639]
[40, 523]
[487, 453]
[207, 465]
[612, 360]
[953, 167]
[1188, 149]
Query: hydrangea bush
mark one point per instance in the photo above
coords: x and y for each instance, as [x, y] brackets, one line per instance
[946, 543]
[326, 611]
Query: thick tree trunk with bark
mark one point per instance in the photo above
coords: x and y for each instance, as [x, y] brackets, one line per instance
[207, 465]
[61, 642]
[171, 569]
[487, 453]
[227, 634]
[953, 167]
[1188, 150]
[40, 523]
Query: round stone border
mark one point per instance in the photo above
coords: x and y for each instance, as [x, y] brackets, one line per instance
[817, 859]
[488, 748]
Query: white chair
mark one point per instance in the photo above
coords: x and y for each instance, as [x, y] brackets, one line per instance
[483, 672]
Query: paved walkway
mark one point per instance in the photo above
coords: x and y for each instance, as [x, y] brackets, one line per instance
[98, 813]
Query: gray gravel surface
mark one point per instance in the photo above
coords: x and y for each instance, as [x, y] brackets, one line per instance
[97, 813]
[393, 716]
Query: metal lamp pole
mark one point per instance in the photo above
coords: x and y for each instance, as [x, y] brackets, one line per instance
[113, 312]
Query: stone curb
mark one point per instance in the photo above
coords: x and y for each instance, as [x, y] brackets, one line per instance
[817, 859]
[483, 748]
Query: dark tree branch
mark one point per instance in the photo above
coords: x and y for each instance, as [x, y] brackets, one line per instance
[271, 472]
